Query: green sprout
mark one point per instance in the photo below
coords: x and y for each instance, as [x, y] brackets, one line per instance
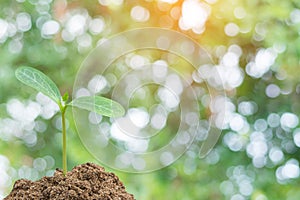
[42, 83]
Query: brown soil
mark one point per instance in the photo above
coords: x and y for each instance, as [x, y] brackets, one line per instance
[87, 181]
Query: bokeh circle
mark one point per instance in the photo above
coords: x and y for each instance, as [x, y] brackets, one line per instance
[159, 129]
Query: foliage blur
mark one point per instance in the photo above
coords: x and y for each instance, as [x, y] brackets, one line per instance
[255, 45]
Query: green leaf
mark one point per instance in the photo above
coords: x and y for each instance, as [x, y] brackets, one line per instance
[100, 105]
[65, 97]
[39, 81]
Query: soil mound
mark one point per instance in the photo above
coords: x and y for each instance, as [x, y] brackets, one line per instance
[86, 181]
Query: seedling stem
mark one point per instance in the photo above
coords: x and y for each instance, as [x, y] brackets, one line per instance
[41, 82]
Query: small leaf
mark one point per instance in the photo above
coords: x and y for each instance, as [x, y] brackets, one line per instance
[100, 105]
[65, 97]
[39, 81]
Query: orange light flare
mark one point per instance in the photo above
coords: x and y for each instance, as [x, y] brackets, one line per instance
[189, 16]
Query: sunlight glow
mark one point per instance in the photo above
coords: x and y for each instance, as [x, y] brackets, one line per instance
[288, 171]
[137, 62]
[76, 24]
[110, 2]
[273, 120]
[97, 84]
[5, 173]
[231, 29]
[194, 16]
[160, 69]
[166, 158]
[49, 28]
[263, 61]
[23, 22]
[276, 155]
[296, 137]
[139, 117]
[118, 132]
[295, 16]
[240, 13]
[247, 108]
[168, 98]
[289, 120]
[272, 91]
[3, 29]
[257, 149]
[169, 1]
[235, 142]
[140, 14]
[158, 121]
[97, 25]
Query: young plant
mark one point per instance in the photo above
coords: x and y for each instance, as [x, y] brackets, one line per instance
[42, 83]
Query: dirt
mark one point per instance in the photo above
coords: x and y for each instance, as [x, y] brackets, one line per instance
[87, 181]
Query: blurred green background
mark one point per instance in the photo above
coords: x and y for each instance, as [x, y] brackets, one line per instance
[255, 45]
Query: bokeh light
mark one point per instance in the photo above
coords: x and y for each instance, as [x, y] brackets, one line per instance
[194, 16]
[254, 60]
